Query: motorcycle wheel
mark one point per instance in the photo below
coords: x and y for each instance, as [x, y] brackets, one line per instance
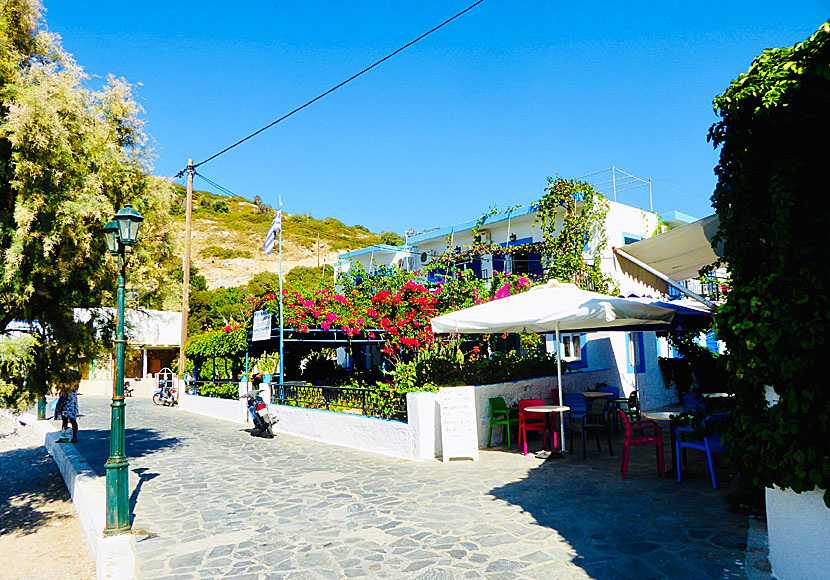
[268, 429]
[157, 399]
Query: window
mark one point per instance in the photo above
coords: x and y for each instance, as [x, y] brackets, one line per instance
[630, 238]
[571, 347]
[634, 352]
[574, 349]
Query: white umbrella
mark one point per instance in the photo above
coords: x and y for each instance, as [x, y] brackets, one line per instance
[555, 307]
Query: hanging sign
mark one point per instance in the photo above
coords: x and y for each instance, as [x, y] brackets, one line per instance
[262, 325]
[459, 429]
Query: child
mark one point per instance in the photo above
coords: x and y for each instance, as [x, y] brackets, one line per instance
[69, 411]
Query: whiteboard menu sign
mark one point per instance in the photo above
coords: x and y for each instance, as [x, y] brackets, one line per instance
[459, 429]
[262, 325]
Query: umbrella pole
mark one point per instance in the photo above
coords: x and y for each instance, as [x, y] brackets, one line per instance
[559, 379]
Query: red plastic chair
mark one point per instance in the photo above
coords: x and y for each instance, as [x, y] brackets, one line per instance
[530, 421]
[637, 433]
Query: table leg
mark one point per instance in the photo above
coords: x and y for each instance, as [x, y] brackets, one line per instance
[673, 442]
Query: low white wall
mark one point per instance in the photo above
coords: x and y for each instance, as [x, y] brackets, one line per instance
[414, 439]
[419, 438]
[799, 528]
[513, 392]
[224, 409]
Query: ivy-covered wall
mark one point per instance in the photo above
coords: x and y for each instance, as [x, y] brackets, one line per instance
[775, 223]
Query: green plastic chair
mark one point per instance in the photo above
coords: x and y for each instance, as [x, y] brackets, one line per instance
[500, 415]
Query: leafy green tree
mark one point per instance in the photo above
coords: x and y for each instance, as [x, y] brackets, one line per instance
[773, 223]
[308, 279]
[69, 158]
[215, 309]
[263, 283]
[391, 238]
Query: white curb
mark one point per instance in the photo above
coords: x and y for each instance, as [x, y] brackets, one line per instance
[115, 557]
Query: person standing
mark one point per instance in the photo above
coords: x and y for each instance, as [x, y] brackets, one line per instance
[69, 410]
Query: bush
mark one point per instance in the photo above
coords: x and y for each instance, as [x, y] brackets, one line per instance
[219, 206]
[220, 391]
[223, 253]
[773, 224]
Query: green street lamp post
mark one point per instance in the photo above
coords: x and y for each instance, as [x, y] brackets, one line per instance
[121, 236]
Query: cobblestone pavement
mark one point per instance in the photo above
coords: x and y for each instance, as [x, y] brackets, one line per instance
[210, 501]
[40, 535]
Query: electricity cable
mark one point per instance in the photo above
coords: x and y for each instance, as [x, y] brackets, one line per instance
[334, 88]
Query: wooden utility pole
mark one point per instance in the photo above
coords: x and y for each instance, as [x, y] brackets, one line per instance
[318, 249]
[186, 269]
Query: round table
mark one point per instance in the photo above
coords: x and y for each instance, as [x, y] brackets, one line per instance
[548, 409]
[596, 394]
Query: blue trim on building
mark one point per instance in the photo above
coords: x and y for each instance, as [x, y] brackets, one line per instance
[638, 344]
[375, 248]
[468, 225]
[583, 353]
[630, 238]
[677, 218]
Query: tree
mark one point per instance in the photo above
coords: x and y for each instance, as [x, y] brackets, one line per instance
[773, 223]
[391, 238]
[308, 279]
[69, 158]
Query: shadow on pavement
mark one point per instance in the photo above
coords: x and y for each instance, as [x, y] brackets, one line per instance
[94, 445]
[643, 527]
[143, 476]
[29, 486]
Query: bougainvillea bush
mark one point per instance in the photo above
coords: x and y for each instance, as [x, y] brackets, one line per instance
[397, 306]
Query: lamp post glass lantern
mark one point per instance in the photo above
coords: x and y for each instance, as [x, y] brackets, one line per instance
[120, 235]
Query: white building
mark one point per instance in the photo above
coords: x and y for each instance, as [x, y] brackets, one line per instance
[153, 339]
[627, 360]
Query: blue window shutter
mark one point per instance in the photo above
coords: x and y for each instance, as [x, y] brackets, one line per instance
[583, 349]
[712, 341]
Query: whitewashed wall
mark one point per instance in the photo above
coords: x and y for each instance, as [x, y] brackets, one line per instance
[417, 439]
[799, 528]
[224, 409]
[414, 439]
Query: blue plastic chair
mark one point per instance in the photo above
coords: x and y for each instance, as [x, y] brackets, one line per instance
[578, 408]
[708, 445]
[692, 402]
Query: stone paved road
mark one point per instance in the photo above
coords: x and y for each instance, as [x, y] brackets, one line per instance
[40, 534]
[212, 502]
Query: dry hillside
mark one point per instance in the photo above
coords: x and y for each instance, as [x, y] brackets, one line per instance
[228, 232]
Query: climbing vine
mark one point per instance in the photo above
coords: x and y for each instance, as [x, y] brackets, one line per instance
[776, 319]
[563, 246]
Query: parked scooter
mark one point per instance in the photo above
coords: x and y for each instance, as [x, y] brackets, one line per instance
[166, 395]
[128, 390]
[259, 414]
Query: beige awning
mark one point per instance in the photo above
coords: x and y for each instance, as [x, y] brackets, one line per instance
[677, 254]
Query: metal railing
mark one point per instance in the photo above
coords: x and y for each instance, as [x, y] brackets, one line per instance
[368, 402]
[711, 288]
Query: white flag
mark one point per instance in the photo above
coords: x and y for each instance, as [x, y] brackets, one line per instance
[276, 226]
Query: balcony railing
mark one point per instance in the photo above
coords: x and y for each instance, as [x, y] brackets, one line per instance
[711, 288]
[368, 402]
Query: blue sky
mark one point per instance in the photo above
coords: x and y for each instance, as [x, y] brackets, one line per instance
[477, 114]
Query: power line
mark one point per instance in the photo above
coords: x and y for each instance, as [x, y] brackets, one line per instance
[221, 188]
[334, 88]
